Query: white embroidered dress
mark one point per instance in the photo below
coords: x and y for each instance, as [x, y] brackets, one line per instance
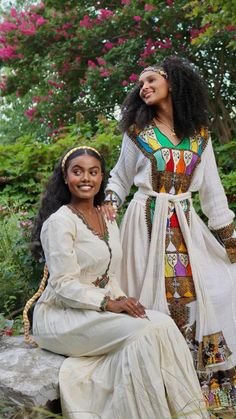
[118, 366]
[173, 263]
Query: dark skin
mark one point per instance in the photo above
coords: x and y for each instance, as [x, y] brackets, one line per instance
[84, 176]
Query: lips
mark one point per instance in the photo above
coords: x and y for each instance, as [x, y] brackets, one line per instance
[147, 95]
[85, 187]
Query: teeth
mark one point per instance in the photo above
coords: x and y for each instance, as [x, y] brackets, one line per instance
[85, 188]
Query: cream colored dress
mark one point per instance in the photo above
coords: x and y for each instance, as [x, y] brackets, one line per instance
[118, 366]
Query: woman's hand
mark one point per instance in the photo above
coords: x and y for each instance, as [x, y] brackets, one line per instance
[108, 211]
[129, 305]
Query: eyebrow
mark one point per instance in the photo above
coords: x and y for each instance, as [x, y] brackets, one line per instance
[150, 76]
[80, 167]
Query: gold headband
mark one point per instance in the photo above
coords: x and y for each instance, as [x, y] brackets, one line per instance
[156, 69]
[82, 147]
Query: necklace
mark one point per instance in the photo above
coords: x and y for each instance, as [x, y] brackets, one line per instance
[89, 220]
[171, 129]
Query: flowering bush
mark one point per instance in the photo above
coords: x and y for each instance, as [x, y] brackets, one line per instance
[85, 58]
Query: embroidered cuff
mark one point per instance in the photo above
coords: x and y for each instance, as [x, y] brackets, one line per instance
[230, 247]
[226, 232]
[226, 236]
[103, 305]
[113, 198]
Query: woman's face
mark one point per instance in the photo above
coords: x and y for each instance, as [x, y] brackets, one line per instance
[154, 88]
[84, 176]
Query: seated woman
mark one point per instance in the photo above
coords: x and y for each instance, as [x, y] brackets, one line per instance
[123, 361]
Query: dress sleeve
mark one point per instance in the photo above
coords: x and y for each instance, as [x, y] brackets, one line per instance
[58, 245]
[122, 175]
[214, 203]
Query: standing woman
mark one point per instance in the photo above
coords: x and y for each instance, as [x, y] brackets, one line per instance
[173, 263]
[122, 364]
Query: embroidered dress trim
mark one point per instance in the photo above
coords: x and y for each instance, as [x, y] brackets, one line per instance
[212, 351]
[102, 280]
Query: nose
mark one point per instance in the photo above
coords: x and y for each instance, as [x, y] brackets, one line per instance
[144, 86]
[86, 176]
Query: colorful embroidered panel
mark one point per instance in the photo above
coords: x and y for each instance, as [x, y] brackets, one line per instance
[172, 170]
[174, 163]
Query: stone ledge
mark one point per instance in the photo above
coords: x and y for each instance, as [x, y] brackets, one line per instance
[28, 375]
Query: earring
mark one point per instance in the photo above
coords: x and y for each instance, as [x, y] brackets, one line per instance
[170, 90]
[65, 181]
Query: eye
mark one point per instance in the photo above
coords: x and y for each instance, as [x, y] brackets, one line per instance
[94, 172]
[77, 172]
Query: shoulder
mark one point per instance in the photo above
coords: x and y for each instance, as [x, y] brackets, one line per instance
[199, 141]
[63, 218]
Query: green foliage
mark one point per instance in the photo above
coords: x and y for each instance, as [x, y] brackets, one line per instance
[27, 164]
[19, 273]
[226, 158]
[218, 15]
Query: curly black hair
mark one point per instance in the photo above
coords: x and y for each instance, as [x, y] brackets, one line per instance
[57, 194]
[189, 98]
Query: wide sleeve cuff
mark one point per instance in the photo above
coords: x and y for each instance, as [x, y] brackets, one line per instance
[227, 236]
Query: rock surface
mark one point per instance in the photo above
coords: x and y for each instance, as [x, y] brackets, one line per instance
[28, 375]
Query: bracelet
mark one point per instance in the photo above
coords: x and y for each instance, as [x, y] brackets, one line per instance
[104, 302]
[113, 198]
[122, 297]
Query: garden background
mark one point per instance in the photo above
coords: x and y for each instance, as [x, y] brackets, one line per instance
[65, 66]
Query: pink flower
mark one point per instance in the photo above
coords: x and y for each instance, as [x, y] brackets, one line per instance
[55, 84]
[67, 25]
[148, 7]
[78, 59]
[86, 22]
[3, 85]
[137, 18]
[36, 99]
[133, 78]
[104, 73]
[109, 45]
[230, 28]
[7, 27]
[91, 64]
[7, 52]
[3, 39]
[121, 41]
[100, 61]
[30, 113]
[105, 14]
[124, 83]
[125, 1]
[13, 12]
[178, 35]
[27, 29]
[40, 21]
[169, 2]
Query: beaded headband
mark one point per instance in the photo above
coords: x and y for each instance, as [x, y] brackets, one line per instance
[82, 147]
[156, 69]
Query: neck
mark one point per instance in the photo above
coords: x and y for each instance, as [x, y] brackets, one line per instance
[83, 206]
[164, 112]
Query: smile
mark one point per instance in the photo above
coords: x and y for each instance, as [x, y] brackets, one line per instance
[85, 187]
[147, 95]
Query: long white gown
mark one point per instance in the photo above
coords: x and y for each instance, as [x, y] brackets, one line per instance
[118, 366]
[173, 262]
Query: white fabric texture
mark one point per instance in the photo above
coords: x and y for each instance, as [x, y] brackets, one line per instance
[118, 366]
[142, 271]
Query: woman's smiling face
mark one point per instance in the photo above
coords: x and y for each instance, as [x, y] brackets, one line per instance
[84, 177]
[154, 88]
